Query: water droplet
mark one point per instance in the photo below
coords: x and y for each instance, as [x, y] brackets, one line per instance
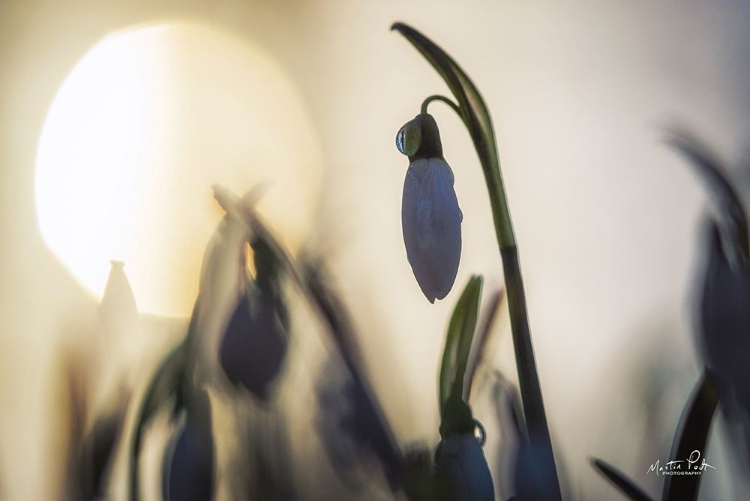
[409, 138]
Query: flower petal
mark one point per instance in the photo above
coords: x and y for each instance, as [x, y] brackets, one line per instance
[431, 221]
[463, 474]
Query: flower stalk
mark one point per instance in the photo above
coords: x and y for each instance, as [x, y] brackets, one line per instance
[473, 112]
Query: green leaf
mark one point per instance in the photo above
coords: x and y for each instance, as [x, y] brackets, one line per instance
[691, 435]
[621, 481]
[477, 119]
[458, 341]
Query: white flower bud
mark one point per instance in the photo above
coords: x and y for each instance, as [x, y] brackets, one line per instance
[431, 221]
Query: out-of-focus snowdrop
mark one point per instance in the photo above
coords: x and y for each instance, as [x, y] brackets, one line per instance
[724, 329]
[723, 289]
[254, 345]
[189, 468]
[430, 216]
[463, 473]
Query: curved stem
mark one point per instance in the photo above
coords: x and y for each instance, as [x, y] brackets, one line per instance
[438, 97]
[476, 117]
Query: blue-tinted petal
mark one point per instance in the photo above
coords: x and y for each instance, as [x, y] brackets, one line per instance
[724, 335]
[189, 470]
[253, 348]
[431, 223]
[463, 474]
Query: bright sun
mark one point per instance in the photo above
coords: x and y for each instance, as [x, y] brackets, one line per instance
[140, 130]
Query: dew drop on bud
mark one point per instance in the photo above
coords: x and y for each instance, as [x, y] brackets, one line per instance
[408, 138]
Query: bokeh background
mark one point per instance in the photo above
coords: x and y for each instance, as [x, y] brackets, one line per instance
[307, 97]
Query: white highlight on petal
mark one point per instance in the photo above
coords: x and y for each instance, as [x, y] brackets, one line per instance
[431, 221]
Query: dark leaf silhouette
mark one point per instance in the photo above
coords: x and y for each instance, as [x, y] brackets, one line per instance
[620, 480]
[164, 387]
[357, 414]
[691, 435]
[731, 216]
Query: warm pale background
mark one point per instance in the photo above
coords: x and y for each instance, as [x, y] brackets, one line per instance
[606, 218]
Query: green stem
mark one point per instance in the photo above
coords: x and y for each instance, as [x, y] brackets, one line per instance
[476, 118]
[438, 97]
[528, 378]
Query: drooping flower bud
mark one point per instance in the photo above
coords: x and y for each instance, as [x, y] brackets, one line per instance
[253, 348]
[462, 471]
[254, 345]
[724, 334]
[189, 470]
[430, 215]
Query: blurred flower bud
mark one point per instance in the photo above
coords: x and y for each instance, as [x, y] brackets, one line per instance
[724, 334]
[254, 345]
[189, 469]
[430, 216]
[462, 471]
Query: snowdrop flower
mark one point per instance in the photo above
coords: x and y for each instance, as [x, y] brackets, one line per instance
[430, 216]
[724, 333]
[188, 473]
[254, 345]
[462, 470]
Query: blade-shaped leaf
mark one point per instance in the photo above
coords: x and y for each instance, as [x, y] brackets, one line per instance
[368, 423]
[334, 312]
[620, 480]
[733, 220]
[241, 210]
[476, 116]
[691, 435]
[458, 341]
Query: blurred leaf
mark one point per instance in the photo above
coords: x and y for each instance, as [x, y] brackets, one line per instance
[621, 481]
[99, 451]
[458, 341]
[733, 220]
[691, 435]
[241, 210]
[420, 474]
[365, 422]
[165, 386]
[166, 383]
[334, 313]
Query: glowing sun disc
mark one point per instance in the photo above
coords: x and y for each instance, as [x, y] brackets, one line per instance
[140, 130]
